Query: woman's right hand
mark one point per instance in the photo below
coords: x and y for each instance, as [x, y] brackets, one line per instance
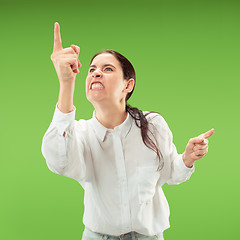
[65, 60]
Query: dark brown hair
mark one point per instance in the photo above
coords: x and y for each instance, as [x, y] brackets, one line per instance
[129, 72]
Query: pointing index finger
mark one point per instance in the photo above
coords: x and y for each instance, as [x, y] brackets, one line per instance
[209, 133]
[57, 38]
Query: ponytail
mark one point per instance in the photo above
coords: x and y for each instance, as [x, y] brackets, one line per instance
[139, 117]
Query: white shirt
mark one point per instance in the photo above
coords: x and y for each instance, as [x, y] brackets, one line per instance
[122, 189]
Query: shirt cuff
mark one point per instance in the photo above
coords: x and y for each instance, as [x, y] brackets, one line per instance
[63, 120]
[182, 167]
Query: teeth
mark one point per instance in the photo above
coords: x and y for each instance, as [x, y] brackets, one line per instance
[97, 85]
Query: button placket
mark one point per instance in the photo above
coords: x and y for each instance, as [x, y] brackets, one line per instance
[121, 170]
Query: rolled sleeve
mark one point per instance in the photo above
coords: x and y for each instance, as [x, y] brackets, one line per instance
[63, 120]
[182, 170]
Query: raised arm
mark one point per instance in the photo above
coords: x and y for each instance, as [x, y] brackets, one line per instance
[66, 63]
[63, 143]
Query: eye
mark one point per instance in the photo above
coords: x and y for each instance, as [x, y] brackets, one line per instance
[108, 68]
[91, 69]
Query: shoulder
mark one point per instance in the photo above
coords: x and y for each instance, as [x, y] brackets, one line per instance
[156, 119]
[82, 126]
[82, 131]
[81, 123]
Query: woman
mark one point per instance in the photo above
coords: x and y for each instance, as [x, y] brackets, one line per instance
[121, 156]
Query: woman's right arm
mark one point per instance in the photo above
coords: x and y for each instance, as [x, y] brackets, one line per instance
[62, 146]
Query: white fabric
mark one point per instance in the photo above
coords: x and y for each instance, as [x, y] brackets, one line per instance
[123, 190]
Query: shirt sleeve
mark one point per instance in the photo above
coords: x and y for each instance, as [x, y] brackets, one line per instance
[63, 148]
[175, 171]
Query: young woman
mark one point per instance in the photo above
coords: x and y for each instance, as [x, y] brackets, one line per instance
[121, 156]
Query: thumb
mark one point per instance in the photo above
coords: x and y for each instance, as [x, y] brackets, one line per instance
[196, 140]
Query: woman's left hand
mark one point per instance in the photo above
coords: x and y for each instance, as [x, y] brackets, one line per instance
[196, 148]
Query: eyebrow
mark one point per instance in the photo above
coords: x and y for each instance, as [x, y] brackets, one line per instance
[103, 65]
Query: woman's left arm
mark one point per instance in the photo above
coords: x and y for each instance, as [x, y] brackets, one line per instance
[196, 148]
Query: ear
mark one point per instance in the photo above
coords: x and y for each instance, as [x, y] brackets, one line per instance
[129, 85]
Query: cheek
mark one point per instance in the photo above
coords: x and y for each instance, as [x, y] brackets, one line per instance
[116, 93]
[120, 87]
[115, 88]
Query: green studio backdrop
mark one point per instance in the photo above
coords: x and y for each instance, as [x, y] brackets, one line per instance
[186, 57]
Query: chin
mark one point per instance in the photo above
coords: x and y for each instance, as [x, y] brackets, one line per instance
[96, 99]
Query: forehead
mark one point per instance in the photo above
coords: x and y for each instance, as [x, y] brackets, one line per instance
[105, 58]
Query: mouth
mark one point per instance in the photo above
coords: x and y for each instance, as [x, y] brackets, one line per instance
[96, 86]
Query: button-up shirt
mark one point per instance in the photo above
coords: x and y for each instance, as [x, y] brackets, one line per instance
[118, 172]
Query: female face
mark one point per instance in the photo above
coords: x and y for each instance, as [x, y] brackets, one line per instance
[105, 82]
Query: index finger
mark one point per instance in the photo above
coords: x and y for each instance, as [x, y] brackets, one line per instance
[57, 38]
[208, 133]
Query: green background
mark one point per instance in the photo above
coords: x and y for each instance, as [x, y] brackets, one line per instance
[186, 57]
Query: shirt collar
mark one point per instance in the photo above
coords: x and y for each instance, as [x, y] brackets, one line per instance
[121, 129]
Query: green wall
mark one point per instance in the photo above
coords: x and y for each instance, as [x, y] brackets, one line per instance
[186, 57]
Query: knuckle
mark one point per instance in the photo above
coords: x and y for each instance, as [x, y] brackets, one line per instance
[72, 50]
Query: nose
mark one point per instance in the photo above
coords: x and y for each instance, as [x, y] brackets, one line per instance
[97, 74]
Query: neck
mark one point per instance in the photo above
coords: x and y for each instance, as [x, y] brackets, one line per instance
[111, 116]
